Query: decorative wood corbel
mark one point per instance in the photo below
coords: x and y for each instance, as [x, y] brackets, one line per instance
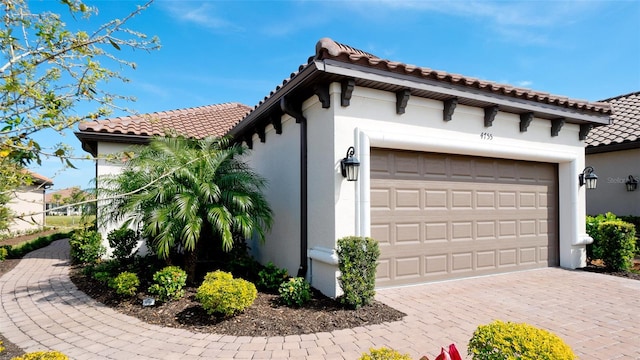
[249, 140]
[556, 125]
[293, 110]
[347, 90]
[449, 108]
[490, 113]
[402, 98]
[322, 90]
[261, 133]
[276, 121]
[584, 131]
[525, 120]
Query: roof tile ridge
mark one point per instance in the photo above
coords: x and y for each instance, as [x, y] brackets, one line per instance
[619, 97]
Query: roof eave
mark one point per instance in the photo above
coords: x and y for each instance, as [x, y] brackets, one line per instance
[402, 80]
[90, 139]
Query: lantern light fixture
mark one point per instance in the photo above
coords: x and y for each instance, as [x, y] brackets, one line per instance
[350, 165]
[588, 177]
[632, 183]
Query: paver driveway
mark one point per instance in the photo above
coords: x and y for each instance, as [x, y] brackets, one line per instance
[597, 315]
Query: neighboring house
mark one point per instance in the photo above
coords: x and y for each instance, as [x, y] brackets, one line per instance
[458, 176]
[58, 199]
[28, 202]
[614, 152]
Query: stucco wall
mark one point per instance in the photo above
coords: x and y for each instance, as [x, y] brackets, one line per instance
[338, 208]
[104, 168]
[28, 200]
[613, 170]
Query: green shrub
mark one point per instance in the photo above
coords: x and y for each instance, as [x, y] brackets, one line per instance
[123, 241]
[4, 253]
[1, 346]
[618, 244]
[357, 261]
[506, 341]
[384, 354]
[126, 283]
[635, 220]
[86, 246]
[594, 250]
[295, 292]
[220, 293]
[42, 355]
[169, 283]
[18, 251]
[270, 278]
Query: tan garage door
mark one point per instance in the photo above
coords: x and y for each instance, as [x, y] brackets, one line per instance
[440, 216]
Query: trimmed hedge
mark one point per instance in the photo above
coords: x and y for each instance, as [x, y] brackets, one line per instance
[357, 261]
[18, 251]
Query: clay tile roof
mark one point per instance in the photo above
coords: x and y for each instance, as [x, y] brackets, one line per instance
[64, 193]
[39, 179]
[197, 122]
[626, 122]
[329, 49]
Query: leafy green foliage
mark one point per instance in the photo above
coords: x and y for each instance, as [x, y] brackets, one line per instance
[169, 283]
[594, 250]
[295, 292]
[18, 251]
[271, 277]
[42, 355]
[182, 191]
[220, 293]
[126, 283]
[1, 346]
[46, 71]
[122, 241]
[617, 244]
[357, 261]
[3, 253]
[506, 341]
[86, 246]
[384, 354]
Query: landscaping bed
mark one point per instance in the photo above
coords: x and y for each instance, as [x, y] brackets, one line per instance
[266, 317]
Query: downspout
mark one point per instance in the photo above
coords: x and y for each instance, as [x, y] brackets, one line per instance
[302, 270]
[296, 113]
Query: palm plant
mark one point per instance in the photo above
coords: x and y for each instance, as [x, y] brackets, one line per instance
[187, 194]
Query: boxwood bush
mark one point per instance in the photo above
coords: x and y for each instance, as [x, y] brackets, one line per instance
[86, 246]
[357, 261]
[220, 293]
[126, 283]
[617, 244]
[169, 283]
[505, 341]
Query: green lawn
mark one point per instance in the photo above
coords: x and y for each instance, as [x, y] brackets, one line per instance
[64, 221]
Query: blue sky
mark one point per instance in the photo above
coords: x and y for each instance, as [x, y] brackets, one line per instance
[238, 51]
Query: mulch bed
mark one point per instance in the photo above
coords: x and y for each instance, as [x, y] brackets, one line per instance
[266, 317]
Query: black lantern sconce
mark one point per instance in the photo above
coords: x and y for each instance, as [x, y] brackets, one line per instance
[350, 165]
[632, 183]
[588, 177]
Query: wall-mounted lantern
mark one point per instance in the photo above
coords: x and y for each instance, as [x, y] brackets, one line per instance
[350, 165]
[588, 177]
[632, 183]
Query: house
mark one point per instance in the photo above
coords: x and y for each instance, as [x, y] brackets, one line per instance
[614, 151]
[457, 176]
[27, 204]
[57, 200]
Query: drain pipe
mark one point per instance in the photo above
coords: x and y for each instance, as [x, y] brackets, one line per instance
[296, 113]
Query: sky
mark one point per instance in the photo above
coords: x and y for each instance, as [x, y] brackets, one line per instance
[238, 51]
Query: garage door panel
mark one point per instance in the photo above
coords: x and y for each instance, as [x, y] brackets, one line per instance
[446, 216]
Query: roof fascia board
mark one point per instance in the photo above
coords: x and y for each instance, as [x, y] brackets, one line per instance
[612, 147]
[114, 138]
[352, 70]
[273, 100]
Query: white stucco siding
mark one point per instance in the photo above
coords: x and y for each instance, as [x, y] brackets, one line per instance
[104, 168]
[371, 120]
[611, 195]
[27, 201]
[278, 161]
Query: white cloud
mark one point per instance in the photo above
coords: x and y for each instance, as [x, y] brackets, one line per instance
[199, 13]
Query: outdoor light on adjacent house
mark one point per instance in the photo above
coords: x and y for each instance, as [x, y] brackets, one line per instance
[632, 183]
[588, 177]
[350, 165]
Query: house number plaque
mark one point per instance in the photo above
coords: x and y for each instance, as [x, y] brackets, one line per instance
[486, 136]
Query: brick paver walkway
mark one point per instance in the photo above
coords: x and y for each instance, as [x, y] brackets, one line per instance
[597, 315]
